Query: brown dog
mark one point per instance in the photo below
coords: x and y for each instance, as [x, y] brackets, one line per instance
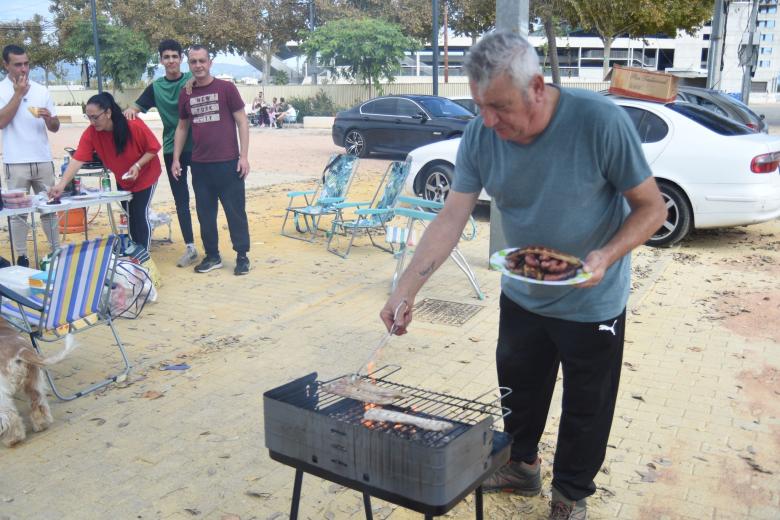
[20, 369]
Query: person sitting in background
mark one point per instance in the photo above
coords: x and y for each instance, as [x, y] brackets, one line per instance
[272, 112]
[281, 112]
[129, 149]
[292, 115]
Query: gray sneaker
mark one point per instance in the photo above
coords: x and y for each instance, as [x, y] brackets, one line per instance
[516, 477]
[189, 257]
[562, 508]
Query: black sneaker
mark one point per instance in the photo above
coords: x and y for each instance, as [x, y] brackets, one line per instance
[242, 265]
[209, 264]
[23, 261]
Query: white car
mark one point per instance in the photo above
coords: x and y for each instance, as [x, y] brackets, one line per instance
[712, 171]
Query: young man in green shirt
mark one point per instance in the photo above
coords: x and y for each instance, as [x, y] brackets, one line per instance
[163, 93]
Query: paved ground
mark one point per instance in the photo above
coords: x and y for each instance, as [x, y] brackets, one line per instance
[696, 432]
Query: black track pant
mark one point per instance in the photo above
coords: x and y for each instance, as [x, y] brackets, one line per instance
[181, 194]
[215, 183]
[530, 349]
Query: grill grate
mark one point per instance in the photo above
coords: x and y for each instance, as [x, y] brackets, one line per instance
[463, 413]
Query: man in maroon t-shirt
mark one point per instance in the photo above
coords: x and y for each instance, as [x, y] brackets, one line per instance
[219, 165]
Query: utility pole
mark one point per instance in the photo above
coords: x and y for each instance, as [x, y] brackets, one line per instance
[715, 54]
[446, 48]
[435, 63]
[748, 55]
[511, 15]
[313, 57]
[97, 47]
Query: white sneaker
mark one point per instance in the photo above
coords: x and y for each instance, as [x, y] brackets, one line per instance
[189, 256]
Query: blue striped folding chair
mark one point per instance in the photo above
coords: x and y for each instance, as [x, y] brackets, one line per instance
[306, 213]
[424, 211]
[76, 298]
[369, 217]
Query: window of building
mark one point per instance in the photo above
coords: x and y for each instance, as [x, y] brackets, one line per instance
[769, 24]
[765, 64]
[767, 37]
[766, 50]
[767, 9]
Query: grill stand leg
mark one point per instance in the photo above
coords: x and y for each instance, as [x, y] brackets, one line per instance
[296, 498]
[478, 502]
[367, 506]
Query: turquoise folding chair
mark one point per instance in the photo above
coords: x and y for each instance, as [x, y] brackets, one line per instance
[424, 211]
[336, 180]
[75, 299]
[369, 217]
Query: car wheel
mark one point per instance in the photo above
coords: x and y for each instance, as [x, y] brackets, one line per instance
[679, 217]
[355, 143]
[436, 182]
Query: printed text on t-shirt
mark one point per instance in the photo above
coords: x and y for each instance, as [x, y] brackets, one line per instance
[205, 108]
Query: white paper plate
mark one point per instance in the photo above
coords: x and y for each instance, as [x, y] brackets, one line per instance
[498, 263]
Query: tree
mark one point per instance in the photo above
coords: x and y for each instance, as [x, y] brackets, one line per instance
[41, 48]
[364, 49]
[280, 21]
[413, 16]
[547, 11]
[124, 54]
[222, 25]
[612, 18]
[472, 18]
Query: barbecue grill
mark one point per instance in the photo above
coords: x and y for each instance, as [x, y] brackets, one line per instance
[315, 431]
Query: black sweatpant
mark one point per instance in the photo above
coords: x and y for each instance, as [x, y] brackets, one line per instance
[219, 182]
[137, 209]
[181, 194]
[530, 348]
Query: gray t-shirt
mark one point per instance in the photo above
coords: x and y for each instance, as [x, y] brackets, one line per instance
[564, 190]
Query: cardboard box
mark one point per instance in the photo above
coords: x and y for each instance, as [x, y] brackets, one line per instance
[643, 84]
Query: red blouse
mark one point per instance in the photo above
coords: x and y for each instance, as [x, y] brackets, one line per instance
[141, 141]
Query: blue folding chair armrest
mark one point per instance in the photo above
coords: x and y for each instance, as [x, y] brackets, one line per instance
[423, 203]
[373, 211]
[343, 205]
[415, 213]
[299, 193]
[327, 201]
[19, 298]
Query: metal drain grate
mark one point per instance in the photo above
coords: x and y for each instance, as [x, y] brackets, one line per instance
[442, 312]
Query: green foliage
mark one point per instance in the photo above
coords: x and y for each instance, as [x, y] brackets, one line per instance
[471, 18]
[41, 48]
[413, 16]
[281, 77]
[364, 49]
[124, 54]
[319, 105]
[612, 18]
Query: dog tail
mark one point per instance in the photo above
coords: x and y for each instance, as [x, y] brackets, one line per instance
[33, 358]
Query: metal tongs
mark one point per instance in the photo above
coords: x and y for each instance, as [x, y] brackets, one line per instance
[382, 342]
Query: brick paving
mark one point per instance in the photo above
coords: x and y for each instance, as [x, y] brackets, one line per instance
[696, 431]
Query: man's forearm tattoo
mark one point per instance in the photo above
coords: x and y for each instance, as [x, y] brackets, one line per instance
[428, 270]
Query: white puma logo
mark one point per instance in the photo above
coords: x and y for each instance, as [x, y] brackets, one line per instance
[609, 328]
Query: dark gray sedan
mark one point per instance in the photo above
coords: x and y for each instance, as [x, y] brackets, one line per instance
[398, 124]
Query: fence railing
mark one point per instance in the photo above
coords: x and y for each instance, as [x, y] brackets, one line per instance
[342, 95]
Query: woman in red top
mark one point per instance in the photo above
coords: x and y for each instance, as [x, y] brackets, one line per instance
[129, 149]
